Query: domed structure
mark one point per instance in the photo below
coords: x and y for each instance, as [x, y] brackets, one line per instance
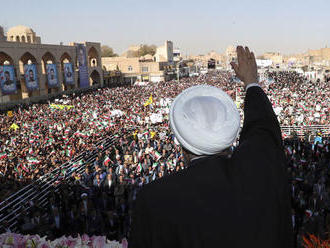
[22, 34]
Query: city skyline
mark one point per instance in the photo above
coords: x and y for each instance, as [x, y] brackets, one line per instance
[193, 26]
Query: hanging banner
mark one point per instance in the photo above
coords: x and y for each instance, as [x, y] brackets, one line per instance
[83, 68]
[30, 73]
[7, 80]
[68, 74]
[52, 76]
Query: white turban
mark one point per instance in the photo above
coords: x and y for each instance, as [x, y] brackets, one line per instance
[204, 119]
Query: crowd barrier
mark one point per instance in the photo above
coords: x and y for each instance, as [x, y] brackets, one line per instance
[301, 131]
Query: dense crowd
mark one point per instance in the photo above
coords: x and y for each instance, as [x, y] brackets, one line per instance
[308, 169]
[36, 139]
[298, 101]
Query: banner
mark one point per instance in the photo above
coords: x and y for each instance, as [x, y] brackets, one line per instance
[58, 106]
[68, 74]
[30, 73]
[7, 79]
[148, 102]
[52, 76]
[83, 67]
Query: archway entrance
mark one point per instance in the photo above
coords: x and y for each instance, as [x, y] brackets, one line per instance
[93, 57]
[67, 68]
[95, 78]
[49, 71]
[28, 68]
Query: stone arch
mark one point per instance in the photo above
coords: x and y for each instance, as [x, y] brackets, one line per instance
[26, 58]
[47, 58]
[5, 59]
[23, 38]
[95, 78]
[93, 57]
[17, 38]
[29, 39]
[66, 58]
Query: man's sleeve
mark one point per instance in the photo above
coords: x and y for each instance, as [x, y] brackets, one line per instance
[259, 117]
[140, 229]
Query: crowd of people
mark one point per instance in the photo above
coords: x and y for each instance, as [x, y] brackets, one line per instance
[36, 139]
[308, 170]
[297, 101]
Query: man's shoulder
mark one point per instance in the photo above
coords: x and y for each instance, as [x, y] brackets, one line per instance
[178, 184]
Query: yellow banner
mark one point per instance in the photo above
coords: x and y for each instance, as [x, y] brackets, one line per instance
[58, 106]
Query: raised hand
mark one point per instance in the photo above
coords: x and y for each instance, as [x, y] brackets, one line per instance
[246, 70]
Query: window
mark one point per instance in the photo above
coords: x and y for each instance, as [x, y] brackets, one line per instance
[144, 69]
[130, 68]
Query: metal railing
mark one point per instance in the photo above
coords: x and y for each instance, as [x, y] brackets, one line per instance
[302, 130]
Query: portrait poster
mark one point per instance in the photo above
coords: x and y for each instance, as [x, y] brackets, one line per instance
[52, 76]
[31, 79]
[7, 80]
[68, 74]
[83, 67]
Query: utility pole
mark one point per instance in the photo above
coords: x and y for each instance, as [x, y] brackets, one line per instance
[178, 71]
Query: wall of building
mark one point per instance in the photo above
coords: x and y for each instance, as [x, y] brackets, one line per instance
[133, 67]
[38, 53]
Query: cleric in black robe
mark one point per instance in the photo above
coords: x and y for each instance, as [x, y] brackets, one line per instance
[240, 200]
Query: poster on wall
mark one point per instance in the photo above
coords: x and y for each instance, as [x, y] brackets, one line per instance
[30, 73]
[68, 74]
[83, 67]
[7, 80]
[52, 76]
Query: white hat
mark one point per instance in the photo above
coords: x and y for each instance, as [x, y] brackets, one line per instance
[204, 119]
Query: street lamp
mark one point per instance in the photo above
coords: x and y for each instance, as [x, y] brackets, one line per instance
[178, 71]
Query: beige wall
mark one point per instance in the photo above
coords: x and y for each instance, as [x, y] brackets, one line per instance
[15, 50]
[133, 66]
[165, 53]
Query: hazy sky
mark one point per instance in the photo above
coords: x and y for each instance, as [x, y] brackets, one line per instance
[286, 26]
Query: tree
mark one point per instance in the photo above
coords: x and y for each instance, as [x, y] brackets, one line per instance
[146, 49]
[107, 51]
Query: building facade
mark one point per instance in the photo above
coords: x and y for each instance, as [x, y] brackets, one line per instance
[22, 52]
[145, 68]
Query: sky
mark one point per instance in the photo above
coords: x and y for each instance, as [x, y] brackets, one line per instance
[196, 27]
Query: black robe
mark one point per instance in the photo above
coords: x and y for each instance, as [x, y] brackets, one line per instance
[242, 201]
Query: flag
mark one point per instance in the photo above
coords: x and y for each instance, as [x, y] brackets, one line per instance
[14, 126]
[68, 152]
[139, 167]
[154, 165]
[33, 160]
[157, 155]
[10, 113]
[106, 160]
[149, 101]
[152, 134]
[79, 163]
[3, 155]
